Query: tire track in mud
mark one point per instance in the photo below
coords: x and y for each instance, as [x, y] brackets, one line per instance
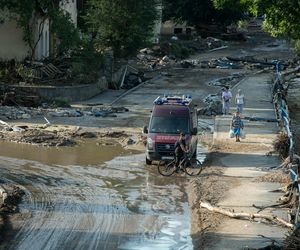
[121, 204]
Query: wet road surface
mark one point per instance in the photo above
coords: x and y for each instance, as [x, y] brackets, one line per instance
[72, 203]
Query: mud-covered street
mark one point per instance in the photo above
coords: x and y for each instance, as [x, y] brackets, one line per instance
[100, 194]
[105, 200]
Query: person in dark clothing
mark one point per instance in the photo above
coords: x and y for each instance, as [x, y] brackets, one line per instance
[180, 149]
[237, 125]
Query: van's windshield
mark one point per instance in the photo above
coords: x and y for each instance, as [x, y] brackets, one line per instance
[169, 125]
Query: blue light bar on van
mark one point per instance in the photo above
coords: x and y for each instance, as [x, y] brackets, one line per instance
[168, 100]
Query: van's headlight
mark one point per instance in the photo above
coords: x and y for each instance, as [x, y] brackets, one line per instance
[150, 143]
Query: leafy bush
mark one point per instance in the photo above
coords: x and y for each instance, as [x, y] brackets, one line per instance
[25, 73]
[60, 103]
[180, 51]
[242, 24]
[64, 30]
[86, 63]
[296, 44]
[4, 74]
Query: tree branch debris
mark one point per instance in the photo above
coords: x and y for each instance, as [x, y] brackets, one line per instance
[248, 216]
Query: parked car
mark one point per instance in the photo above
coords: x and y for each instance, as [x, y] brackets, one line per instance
[170, 116]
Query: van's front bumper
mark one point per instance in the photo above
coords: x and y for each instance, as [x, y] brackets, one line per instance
[157, 156]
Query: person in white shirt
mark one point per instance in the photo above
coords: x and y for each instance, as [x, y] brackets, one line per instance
[240, 101]
[226, 97]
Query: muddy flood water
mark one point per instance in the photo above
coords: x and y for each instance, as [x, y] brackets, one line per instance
[94, 196]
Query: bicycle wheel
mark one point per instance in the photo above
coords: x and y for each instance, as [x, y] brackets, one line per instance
[194, 168]
[166, 168]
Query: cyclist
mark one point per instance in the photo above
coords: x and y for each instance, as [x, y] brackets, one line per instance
[181, 148]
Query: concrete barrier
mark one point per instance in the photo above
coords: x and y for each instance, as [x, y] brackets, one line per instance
[68, 93]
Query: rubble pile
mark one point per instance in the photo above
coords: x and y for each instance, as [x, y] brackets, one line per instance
[57, 72]
[15, 113]
[227, 81]
[12, 97]
[37, 136]
[105, 111]
[251, 62]
[114, 134]
[168, 53]
[164, 57]
[213, 106]
[46, 135]
[221, 63]
[133, 79]
[11, 198]
[213, 102]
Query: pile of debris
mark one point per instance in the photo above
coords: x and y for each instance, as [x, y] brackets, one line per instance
[87, 111]
[36, 136]
[59, 136]
[250, 62]
[30, 72]
[213, 106]
[167, 53]
[12, 96]
[246, 62]
[221, 63]
[11, 196]
[227, 81]
[293, 240]
[41, 135]
[132, 79]
[153, 60]
[213, 102]
[15, 113]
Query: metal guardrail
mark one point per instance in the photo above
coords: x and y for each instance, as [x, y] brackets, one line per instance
[282, 113]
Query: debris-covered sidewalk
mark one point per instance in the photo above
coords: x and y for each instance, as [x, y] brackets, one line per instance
[245, 164]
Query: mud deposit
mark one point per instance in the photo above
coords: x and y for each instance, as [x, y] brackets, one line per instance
[74, 200]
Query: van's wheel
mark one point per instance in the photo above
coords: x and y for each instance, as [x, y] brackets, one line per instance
[148, 162]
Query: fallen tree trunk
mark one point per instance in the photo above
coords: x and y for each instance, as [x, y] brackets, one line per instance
[250, 216]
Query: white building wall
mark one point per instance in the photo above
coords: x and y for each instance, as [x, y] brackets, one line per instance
[168, 27]
[70, 6]
[12, 45]
[158, 23]
[43, 46]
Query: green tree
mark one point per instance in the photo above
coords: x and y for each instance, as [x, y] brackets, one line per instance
[197, 12]
[282, 16]
[123, 25]
[63, 29]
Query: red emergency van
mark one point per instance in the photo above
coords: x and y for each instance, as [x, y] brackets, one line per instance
[171, 115]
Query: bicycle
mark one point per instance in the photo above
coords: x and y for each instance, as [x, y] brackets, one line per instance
[191, 167]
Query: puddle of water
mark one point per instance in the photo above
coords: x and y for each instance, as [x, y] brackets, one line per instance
[96, 197]
[118, 205]
[88, 152]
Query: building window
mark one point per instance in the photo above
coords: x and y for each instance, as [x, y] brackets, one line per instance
[178, 31]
